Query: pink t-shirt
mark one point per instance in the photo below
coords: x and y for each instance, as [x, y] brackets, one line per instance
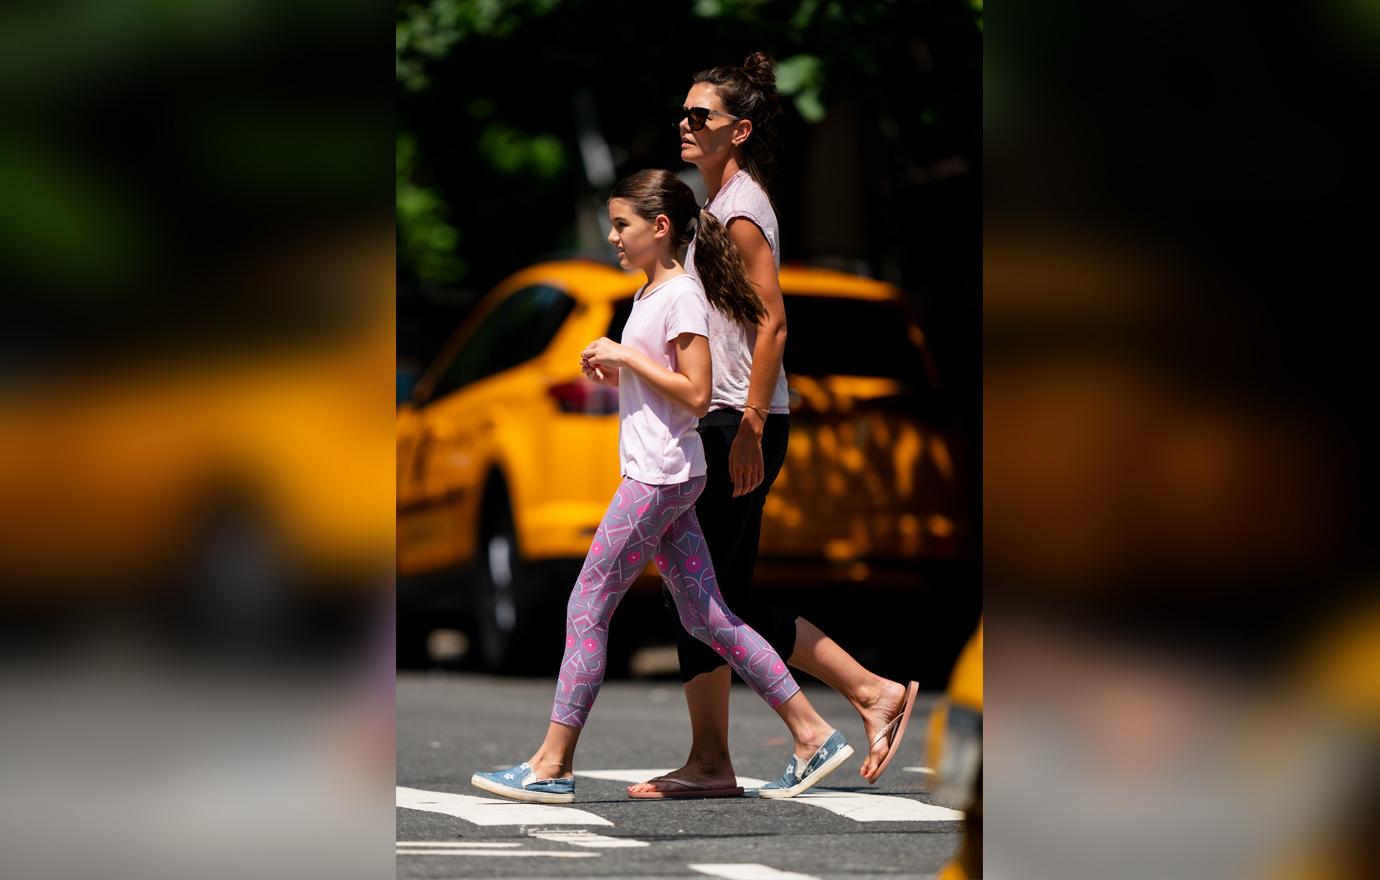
[731, 344]
[657, 441]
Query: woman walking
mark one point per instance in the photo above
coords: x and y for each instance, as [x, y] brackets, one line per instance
[662, 369]
[726, 131]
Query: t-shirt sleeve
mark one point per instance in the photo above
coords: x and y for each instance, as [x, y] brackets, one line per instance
[746, 208]
[688, 312]
[737, 213]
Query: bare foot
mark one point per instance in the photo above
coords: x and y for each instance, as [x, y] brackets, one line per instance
[710, 776]
[884, 706]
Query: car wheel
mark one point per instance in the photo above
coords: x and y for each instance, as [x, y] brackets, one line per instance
[507, 594]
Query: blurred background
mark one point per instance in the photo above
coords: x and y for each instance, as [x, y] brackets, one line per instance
[1179, 548]
[195, 439]
[1178, 460]
[514, 121]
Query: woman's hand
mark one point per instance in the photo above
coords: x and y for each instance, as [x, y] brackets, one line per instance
[745, 457]
[604, 353]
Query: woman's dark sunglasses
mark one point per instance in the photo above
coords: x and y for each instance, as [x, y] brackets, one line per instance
[698, 116]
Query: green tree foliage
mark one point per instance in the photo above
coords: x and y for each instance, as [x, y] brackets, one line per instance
[428, 31]
[426, 242]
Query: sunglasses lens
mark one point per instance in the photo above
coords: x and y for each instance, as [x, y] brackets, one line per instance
[697, 116]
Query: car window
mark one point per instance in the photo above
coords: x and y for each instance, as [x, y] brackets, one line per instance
[621, 310]
[838, 336]
[852, 337]
[515, 332]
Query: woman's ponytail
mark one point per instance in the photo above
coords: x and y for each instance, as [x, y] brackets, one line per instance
[720, 267]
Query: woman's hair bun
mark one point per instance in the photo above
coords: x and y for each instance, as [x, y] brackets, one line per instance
[760, 68]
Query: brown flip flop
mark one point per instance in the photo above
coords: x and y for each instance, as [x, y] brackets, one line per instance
[691, 790]
[899, 724]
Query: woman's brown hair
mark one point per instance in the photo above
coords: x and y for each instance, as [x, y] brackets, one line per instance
[749, 91]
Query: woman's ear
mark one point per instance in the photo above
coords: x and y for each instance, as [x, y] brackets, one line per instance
[742, 131]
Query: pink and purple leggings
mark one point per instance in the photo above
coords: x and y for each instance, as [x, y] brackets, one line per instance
[659, 521]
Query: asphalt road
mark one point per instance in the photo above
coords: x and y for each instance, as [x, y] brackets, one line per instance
[449, 725]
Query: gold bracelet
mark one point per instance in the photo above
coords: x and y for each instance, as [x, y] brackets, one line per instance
[761, 409]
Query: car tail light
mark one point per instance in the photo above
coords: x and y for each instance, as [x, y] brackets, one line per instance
[584, 396]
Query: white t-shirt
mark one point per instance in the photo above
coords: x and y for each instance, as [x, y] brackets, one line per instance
[657, 441]
[730, 343]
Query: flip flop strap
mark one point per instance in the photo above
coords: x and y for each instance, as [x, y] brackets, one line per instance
[886, 731]
[693, 786]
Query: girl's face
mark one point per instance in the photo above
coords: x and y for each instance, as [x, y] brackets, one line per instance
[714, 142]
[639, 242]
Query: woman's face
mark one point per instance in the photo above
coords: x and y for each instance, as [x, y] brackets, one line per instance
[713, 143]
[635, 238]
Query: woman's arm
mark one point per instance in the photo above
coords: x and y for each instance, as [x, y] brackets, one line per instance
[687, 386]
[745, 458]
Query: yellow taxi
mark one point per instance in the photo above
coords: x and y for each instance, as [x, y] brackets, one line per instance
[237, 479]
[507, 456]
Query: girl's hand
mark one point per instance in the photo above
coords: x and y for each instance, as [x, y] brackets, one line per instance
[604, 352]
[598, 374]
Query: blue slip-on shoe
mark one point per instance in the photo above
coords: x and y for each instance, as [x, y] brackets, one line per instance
[520, 783]
[797, 779]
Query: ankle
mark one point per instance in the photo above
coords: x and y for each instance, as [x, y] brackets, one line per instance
[549, 767]
[813, 734]
[867, 696]
[709, 758]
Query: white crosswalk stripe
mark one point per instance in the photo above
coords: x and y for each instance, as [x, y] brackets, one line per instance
[749, 871]
[856, 806]
[492, 811]
[581, 837]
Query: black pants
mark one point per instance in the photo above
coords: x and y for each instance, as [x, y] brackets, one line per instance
[732, 528]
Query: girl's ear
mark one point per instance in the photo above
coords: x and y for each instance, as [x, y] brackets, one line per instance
[661, 226]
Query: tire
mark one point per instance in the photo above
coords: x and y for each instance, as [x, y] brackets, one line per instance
[509, 597]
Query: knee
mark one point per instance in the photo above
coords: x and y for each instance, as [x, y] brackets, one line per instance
[579, 601]
[719, 616]
[692, 619]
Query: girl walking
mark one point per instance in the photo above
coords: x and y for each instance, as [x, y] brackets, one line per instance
[662, 369]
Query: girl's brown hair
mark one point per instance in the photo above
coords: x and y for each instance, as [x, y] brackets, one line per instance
[749, 90]
[726, 283]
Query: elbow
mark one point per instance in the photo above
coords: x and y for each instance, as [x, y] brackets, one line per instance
[700, 404]
[775, 329]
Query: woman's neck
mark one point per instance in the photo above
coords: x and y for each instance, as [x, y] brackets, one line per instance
[715, 176]
[664, 269]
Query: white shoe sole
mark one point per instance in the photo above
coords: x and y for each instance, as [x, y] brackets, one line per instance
[518, 794]
[825, 769]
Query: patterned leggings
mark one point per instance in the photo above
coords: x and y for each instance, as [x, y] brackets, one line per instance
[660, 521]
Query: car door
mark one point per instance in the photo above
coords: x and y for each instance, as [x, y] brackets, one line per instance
[446, 445]
[870, 472]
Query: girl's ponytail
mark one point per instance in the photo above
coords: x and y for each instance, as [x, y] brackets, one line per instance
[726, 285]
[720, 267]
